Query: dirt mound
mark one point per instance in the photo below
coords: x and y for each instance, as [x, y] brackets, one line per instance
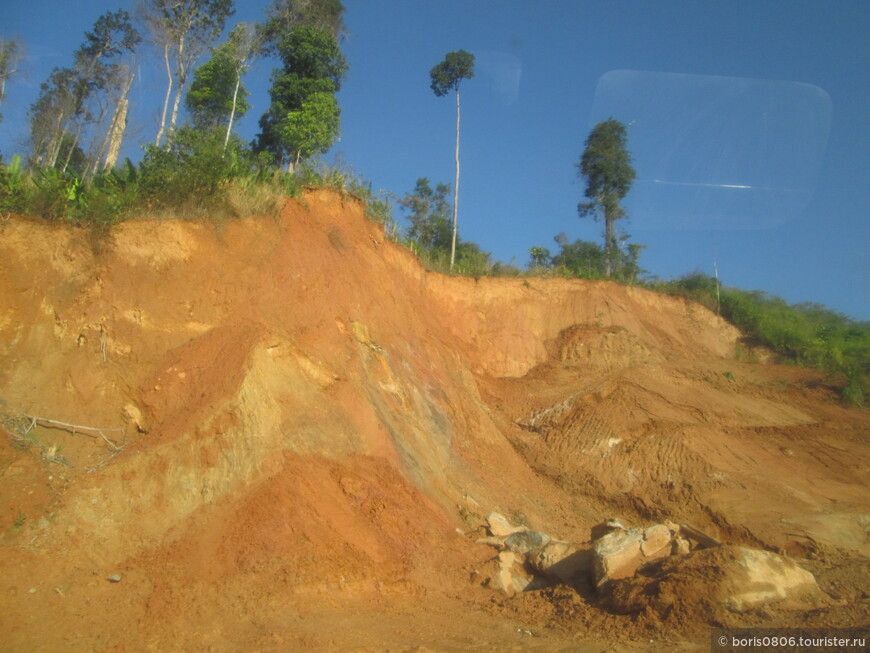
[268, 425]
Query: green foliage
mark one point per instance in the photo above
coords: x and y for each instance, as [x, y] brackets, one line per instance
[540, 257]
[194, 170]
[803, 334]
[429, 214]
[581, 258]
[311, 129]
[211, 95]
[12, 190]
[585, 260]
[10, 55]
[302, 119]
[606, 165]
[285, 15]
[447, 75]
[429, 234]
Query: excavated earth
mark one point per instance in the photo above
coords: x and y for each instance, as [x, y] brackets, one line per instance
[287, 435]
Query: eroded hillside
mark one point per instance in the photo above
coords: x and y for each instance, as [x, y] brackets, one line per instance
[302, 430]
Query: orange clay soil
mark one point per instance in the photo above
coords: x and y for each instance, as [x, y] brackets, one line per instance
[312, 428]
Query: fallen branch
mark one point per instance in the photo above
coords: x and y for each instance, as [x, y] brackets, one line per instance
[699, 536]
[76, 428]
[19, 428]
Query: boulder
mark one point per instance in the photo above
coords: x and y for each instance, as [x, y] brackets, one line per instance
[511, 577]
[620, 553]
[753, 577]
[715, 584]
[559, 561]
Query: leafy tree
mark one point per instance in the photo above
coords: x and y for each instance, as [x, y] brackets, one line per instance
[578, 259]
[606, 165]
[10, 56]
[446, 77]
[182, 29]
[429, 215]
[312, 129]
[216, 95]
[541, 257]
[313, 68]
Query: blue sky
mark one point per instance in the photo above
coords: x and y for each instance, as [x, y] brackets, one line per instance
[747, 120]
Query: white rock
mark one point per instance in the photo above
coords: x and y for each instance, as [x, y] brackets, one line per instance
[499, 526]
[757, 577]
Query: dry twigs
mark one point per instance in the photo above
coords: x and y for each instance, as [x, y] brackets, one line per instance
[19, 428]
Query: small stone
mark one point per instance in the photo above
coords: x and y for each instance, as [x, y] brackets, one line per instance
[114, 578]
[607, 526]
[526, 541]
[680, 546]
[499, 526]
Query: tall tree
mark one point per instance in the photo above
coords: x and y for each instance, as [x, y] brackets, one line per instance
[112, 40]
[182, 30]
[10, 55]
[313, 68]
[75, 101]
[446, 77]
[606, 165]
[216, 95]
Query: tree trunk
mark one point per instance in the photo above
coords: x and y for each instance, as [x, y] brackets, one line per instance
[233, 110]
[162, 129]
[608, 245]
[115, 135]
[455, 188]
[182, 80]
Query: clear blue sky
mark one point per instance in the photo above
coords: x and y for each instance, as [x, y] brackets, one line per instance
[748, 122]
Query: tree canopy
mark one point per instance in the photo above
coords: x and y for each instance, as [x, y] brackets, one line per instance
[283, 16]
[447, 75]
[313, 67]
[216, 93]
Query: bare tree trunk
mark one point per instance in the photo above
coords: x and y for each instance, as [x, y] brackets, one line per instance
[96, 151]
[182, 79]
[608, 245]
[115, 134]
[72, 148]
[233, 110]
[162, 129]
[455, 188]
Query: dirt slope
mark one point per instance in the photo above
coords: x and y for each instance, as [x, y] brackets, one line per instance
[312, 426]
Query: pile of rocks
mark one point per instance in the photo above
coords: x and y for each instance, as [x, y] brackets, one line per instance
[744, 578]
[530, 559]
